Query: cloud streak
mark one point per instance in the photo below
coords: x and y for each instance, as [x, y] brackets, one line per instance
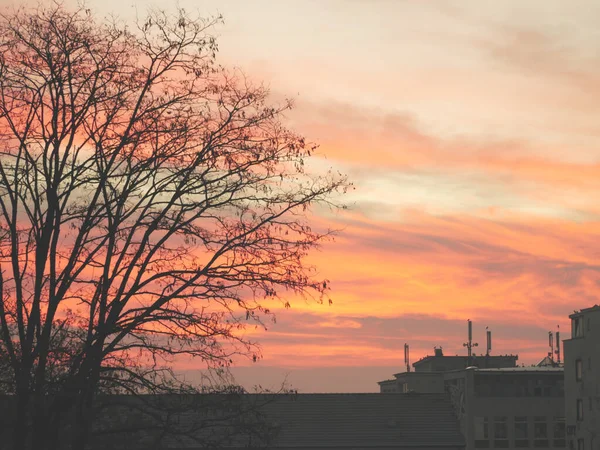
[471, 133]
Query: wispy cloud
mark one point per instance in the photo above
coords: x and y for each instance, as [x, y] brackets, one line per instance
[471, 132]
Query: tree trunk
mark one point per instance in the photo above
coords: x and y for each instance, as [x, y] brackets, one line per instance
[21, 431]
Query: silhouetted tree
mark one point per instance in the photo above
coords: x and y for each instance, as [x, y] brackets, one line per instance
[151, 205]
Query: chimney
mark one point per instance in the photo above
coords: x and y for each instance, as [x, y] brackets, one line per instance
[438, 351]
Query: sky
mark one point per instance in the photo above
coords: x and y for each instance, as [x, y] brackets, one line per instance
[471, 132]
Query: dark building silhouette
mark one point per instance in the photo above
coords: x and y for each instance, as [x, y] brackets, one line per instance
[582, 380]
[497, 403]
[428, 376]
[442, 363]
[515, 408]
[276, 421]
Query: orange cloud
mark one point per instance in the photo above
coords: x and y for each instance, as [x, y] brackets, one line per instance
[474, 149]
[516, 274]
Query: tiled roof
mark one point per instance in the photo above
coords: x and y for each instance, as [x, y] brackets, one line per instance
[319, 421]
[365, 420]
[522, 369]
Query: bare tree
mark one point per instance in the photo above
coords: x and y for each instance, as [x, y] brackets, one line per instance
[151, 205]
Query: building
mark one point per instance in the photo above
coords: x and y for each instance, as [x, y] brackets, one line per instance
[274, 421]
[498, 404]
[514, 407]
[582, 380]
[442, 363]
[292, 421]
[421, 382]
[428, 375]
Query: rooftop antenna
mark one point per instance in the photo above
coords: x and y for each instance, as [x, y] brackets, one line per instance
[406, 357]
[470, 344]
[558, 345]
[489, 341]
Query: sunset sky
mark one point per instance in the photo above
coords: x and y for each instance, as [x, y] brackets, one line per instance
[471, 130]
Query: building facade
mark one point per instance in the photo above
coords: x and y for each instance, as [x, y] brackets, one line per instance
[514, 408]
[582, 380]
[408, 382]
[428, 375]
[498, 404]
[442, 363]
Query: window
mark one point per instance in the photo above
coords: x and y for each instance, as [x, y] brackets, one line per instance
[580, 445]
[482, 433]
[560, 388]
[547, 391]
[576, 327]
[540, 432]
[520, 389]
[558, 432]
[537, 389]
[501, 432]
[521, 432]
[579, 409]
[578, 369]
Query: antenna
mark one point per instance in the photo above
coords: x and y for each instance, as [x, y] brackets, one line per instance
[406, 357]
[489, 341]
[551, 345]
[470, 344]
[558, 345]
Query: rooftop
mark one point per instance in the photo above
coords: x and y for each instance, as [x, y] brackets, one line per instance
[518, 369]
[359, 421]
[584, 310]
[464, 357]
[418, 374]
